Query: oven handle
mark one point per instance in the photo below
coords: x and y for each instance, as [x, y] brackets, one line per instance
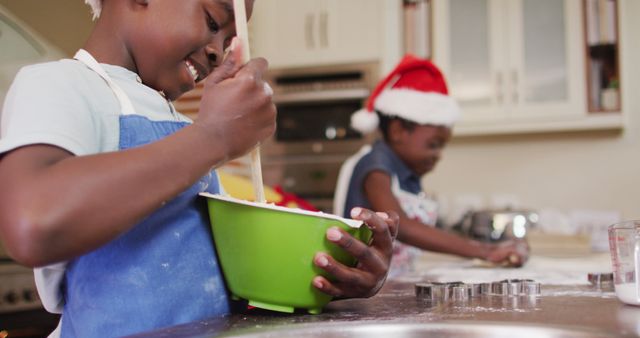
[322, 95]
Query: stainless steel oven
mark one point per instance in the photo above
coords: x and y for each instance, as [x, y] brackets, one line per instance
[21, 312]
[313, 136]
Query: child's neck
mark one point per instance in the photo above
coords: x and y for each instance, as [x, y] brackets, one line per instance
[106, 47]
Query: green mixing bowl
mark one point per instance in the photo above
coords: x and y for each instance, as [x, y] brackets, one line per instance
[266, 251]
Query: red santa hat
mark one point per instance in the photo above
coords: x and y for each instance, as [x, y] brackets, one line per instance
[416, 91]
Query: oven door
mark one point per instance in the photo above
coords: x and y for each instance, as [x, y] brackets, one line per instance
[21, 312]
[312, 140]
[312, 178]
[316, 123]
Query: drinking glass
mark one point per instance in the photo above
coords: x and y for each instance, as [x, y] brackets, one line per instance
[624, 243]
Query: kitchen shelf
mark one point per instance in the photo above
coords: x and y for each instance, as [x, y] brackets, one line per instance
[591, 122]
[602, 55]
[418, 21]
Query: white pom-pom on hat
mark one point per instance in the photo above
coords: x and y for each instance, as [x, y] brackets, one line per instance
[96, 7]
[415, 91]
[364, 121]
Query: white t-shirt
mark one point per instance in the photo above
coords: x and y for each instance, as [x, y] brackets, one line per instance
[66, 104]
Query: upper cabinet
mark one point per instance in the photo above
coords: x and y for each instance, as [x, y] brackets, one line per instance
[515, 65]
[292, 33]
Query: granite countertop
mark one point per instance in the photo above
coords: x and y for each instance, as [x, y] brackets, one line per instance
[568, 303]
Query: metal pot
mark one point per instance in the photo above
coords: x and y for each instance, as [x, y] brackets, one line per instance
[497, 225]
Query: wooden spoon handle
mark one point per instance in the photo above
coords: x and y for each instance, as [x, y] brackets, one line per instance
[240, 15]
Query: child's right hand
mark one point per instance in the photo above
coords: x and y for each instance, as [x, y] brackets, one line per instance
[510, 253]
[236, 110]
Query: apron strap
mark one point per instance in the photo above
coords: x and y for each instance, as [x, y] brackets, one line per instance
[344, 177]
[125, 104]
[395, 185]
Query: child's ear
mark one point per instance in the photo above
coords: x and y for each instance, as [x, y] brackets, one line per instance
[395, 130]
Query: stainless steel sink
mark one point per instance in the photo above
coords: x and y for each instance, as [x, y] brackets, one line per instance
[416, 330]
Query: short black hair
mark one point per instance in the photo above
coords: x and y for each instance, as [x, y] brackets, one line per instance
[385, 121]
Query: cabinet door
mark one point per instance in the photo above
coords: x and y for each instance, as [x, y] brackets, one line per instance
[469, 45]
[546, 77]
[292, 33]
[511, 60]
[286, 31]
[351, 30]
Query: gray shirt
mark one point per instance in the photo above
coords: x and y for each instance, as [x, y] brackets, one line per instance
[381, 158]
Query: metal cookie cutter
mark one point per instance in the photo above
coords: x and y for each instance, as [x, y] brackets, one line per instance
[516, 287]
[442, 292]
[435, 292]
[475, 289]
[460, 292]
[485, 288]
[500, 288]
[601, 280]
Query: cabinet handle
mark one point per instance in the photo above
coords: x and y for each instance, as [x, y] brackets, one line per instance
[514, 80]
[308, 30]
[499, 88]
[324, 25]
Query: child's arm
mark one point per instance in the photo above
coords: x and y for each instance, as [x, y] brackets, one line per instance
[369, 275]
[55, 206]
[377, 187]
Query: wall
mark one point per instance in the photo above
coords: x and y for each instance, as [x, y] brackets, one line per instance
[64, 23]
[595, 170]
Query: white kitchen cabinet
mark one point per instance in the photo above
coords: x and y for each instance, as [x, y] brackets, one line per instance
[515, 65]
[292, 33]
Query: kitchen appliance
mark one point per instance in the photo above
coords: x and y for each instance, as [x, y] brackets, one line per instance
[497, 225]
[21, 312]
[624, 242]
[313, 135]
[17, 289]
[264, 268]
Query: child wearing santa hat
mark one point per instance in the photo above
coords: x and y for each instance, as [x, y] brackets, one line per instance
[414, 113]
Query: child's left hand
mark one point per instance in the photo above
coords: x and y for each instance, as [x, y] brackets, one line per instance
[369, 275]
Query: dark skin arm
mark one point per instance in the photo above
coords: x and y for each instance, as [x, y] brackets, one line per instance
[377, 187]
[55, 206]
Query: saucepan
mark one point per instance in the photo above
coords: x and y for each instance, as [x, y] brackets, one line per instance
[496, 225]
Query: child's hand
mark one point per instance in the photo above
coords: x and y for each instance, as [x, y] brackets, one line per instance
[236, 110]
[510, 253]
[367, 277]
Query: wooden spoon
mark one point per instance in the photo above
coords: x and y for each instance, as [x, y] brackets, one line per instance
[240, 14]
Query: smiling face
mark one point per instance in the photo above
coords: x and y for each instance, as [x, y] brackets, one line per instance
[175, 44]
[419, 147]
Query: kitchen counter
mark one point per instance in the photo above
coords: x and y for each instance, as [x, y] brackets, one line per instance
[571, 303]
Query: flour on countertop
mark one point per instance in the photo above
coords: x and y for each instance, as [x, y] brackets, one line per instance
[493, 309]
[578, 293]
[542, 269]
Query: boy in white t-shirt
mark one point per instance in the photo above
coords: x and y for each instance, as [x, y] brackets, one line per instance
[100, 174]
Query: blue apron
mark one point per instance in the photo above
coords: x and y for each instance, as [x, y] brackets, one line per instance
[162, 272]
